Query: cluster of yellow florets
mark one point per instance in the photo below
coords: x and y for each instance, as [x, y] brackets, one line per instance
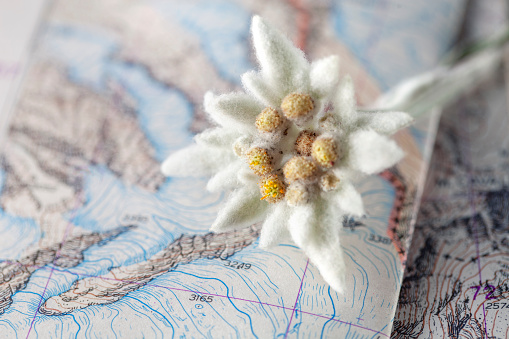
[272, 188]
[315, 154]
[259, 161]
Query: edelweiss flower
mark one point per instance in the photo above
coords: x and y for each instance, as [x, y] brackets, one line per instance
[288, 149]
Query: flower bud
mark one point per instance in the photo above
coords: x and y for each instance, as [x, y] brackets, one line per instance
[304, 143]
[324, 152]
[296, 105]
[268, 120]
[298, 168]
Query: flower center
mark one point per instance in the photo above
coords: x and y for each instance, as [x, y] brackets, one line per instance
[324, 152]
[314, 154]
[298, 168]
[296, 105]
[268, 120]
[259, 161]
[304, 143]
[272, 188]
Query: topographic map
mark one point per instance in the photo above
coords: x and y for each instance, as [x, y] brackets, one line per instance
[95, 242]
[456, 283]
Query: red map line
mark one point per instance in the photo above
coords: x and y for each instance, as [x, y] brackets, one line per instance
[396, 211]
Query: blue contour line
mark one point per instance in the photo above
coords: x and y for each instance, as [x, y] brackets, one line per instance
[254, 293]
[148, 317]
[153, 296]
[367, 282]
[391, 264]
[191, 318]
[274, 287]
[227, 296]
[280, 257]
[333, 313]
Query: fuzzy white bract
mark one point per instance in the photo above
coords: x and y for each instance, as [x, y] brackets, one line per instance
[288, 148]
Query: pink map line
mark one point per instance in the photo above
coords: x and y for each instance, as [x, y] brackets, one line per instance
[219, 296]
[297, 299]
[57, 255]
[471, 196]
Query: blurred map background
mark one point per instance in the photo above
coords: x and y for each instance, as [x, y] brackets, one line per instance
[96, 243]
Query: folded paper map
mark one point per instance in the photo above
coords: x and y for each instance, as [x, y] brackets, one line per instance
[95, 242]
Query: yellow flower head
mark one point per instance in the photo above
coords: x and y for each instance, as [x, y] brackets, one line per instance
[272, 188]
[259, 161]
[324, 152]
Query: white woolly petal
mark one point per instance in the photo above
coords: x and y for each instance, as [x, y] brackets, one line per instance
[384, 122]
[283, 65]
[235, 110]
[217, 137]
[348, 199]
[196, 160]
[274, 229]
[242, 209]
[315, 228]
[246, 176]
[255, 84]
[344, 103]
[226, 178]
[324, 75]
[371, 152]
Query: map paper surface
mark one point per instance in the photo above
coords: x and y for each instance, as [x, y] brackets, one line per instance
[96, 243]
